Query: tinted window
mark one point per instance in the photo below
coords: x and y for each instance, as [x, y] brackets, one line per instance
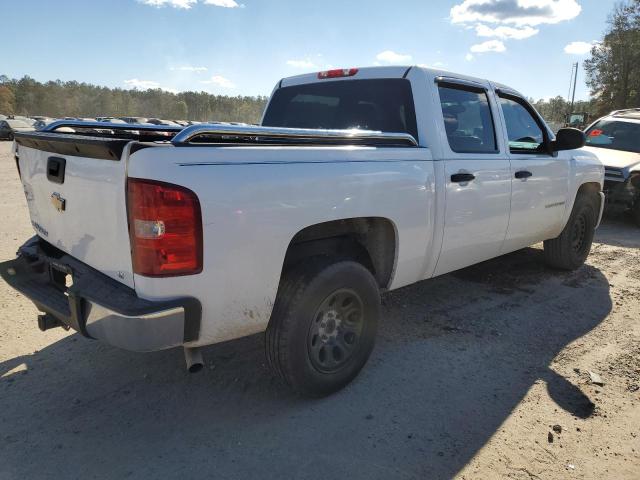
[384, 105]
[467, 120]
[615, 135]
[525, 135]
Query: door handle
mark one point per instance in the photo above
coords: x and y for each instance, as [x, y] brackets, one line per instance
[462, 177]
[55, 169]
[522, 174]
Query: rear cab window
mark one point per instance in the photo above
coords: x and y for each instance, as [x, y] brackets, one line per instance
[384, 105]
[467, 117]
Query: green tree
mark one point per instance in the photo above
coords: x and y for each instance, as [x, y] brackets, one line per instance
[7, 100]
[613, 71]
[27, 96]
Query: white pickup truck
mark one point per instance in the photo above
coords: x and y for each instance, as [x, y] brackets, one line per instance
[359, 181]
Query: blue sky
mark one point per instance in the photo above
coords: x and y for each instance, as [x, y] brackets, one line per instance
[243, 47]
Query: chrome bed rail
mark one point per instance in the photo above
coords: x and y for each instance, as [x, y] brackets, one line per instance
[253, 134]
[293, 134]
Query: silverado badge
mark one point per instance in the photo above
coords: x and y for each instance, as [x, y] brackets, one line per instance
[58, 202]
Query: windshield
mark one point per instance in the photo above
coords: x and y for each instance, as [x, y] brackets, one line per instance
[615, 135]
[384, 105]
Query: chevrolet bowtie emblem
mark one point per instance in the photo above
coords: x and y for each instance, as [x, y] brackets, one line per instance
[58, 202]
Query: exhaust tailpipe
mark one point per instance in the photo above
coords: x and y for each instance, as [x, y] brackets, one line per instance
[193, 356]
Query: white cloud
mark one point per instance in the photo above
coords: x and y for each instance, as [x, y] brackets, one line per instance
[468, 57]
[304, 64]
[389, 56]
[222, 3]
[579, 48]
[141, 84]
[220, 81]
[488, 46]
[189, 68]
[186, 4]
[172, 3]
[515, 12]
[505, 32]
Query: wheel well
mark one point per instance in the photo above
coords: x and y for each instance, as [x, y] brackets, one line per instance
[368, 240]
[589, 188]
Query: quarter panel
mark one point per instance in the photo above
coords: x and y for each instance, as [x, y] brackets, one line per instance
[251, 211]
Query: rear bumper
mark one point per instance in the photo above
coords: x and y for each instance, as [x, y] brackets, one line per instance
[97, 306]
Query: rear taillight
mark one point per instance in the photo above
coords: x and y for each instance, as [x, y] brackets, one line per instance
[165, 227]
[337, 73]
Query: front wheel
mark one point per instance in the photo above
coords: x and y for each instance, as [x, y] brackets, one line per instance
[571, 248]
[323, 326]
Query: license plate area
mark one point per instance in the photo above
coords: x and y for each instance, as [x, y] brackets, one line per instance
[61, 276]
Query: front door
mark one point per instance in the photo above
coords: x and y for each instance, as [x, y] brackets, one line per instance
[540, 179]
[477, 175]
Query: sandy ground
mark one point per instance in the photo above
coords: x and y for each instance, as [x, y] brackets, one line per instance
[470, 376]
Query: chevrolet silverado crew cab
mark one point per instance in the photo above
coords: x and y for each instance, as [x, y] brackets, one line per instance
[358, 181]
[615, 138]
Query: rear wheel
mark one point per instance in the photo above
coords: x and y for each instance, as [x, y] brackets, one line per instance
[323, 325]
[571, 248]
[10, 136]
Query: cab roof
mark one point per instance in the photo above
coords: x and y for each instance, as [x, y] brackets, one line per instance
[399, 71]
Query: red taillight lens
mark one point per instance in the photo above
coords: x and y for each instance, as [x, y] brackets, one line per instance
[165, 227]
[340, 72]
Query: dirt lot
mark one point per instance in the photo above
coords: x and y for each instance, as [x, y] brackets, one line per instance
[470, 376]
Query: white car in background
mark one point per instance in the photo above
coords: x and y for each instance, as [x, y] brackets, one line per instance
[616, 140]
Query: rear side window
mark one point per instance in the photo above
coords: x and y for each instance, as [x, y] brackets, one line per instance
[467, 119]
[384, 105]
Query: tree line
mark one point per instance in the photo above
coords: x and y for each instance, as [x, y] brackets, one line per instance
[26, 96]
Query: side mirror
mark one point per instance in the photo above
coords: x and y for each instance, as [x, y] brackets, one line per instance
[568, 139]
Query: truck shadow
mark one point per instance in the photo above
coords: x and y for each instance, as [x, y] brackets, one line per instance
[455, 356]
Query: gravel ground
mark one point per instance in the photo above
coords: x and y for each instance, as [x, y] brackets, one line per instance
[479, 374]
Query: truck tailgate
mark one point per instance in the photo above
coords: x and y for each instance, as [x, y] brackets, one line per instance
[78, 204]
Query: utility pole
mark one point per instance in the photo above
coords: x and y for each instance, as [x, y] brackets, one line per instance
[575, 81]
[572, 90]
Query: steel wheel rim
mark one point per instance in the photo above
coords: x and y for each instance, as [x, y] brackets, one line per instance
[335, 331]
[578, 237]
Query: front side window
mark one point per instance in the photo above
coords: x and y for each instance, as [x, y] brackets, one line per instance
[524, 132]
[467, 119]
[615, 135]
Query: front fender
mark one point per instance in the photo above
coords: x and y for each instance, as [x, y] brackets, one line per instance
[584, 168]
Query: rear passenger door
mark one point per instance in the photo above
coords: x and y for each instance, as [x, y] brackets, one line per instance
[540, 178]
[477, 175]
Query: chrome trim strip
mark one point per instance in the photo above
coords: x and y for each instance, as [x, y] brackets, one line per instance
[193, 131]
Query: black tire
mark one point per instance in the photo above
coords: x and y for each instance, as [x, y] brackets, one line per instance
[571, 248]
[10, 137]
[305, 323]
